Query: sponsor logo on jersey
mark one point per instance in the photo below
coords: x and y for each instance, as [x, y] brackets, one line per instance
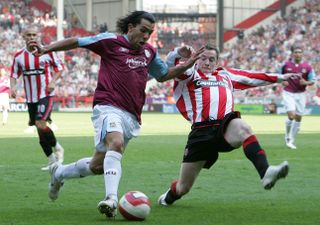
[33, 72]
[136, 62]
[210, 83]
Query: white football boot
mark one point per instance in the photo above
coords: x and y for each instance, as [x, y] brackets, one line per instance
[291, 145]
[108, 207]
[273, 174]
[161, 199]
[55, 184]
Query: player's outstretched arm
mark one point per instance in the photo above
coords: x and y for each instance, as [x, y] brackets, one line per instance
[63, 45]
[181, 68]
[287, 76]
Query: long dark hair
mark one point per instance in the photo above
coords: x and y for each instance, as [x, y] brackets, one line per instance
[134, 18]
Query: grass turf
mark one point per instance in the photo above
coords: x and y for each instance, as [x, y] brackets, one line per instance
[228, 193]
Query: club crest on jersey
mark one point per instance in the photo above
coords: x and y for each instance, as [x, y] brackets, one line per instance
[303, 70]
[136, 62]
[147, 53]
[209, 83]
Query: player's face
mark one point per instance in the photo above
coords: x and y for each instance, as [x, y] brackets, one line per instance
[30, 35]
[207, 61]
[297, 55]
[138, 35]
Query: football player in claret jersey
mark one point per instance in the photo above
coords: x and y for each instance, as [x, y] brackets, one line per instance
[204, 97]
[126, 61]
[39, 74]
[294, 96]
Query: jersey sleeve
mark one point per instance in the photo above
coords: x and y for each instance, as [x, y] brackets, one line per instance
[95, 43]
[311, 75]
[173, 59]
[158, 68]
[243, 79]
[15, 69]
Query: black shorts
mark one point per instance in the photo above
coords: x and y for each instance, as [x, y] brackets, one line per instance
[40, 110]
[206, 140]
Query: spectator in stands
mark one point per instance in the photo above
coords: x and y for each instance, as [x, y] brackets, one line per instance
[126, 61]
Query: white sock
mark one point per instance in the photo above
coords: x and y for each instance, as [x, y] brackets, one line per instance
[288, 127]
[78, 169]
[52, 158]
[112, 173]
[57, 146]
[4, 116]
[294, 130]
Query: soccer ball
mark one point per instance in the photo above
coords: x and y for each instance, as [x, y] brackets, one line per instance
[134, 205]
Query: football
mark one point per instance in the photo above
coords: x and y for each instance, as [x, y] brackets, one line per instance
[134, 205]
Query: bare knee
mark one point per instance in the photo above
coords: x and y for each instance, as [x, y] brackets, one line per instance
[115, 142]
[245, 131]
[41, 124]
[96, 169]
[237, 132]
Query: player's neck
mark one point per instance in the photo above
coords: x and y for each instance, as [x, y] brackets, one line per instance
[297, 61]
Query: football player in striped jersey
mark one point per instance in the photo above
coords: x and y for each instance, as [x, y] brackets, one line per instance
[204, 97]
[39, 74]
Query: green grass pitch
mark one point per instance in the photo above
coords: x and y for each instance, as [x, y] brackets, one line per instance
[228, 193]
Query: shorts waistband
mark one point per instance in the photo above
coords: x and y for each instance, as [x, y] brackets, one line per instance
[207, 123]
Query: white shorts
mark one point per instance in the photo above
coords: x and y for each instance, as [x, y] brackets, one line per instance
[294, 102]
[106, 119]
[4, 101]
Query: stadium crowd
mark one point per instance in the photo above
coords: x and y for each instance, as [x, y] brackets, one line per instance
[269, 46]
[263, 50]
[81, 67]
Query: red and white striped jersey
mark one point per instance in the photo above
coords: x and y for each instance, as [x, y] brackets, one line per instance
[200, 97]
[37, 72]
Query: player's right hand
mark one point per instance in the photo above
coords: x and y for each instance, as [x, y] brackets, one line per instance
[186, 51]
[13, 93]
[38, 50]
[194, 57]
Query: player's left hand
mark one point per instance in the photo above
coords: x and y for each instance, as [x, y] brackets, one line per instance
[288, 76]
[50, 87]
[303, 82]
